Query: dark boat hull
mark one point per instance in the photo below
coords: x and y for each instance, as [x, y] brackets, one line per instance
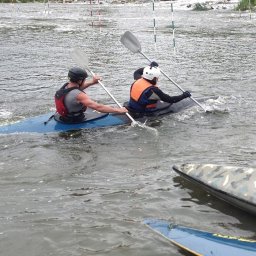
[232, 184]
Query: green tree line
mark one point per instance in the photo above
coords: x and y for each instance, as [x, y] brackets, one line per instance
[246, 5]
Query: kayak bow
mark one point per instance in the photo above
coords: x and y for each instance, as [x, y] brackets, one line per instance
[202, 243]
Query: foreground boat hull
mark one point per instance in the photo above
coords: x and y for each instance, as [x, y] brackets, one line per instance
[232, 184]
[36, 124]
[202, 243]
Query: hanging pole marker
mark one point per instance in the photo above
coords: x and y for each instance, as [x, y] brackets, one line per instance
[91, 13]
[154, 22]
[46, 7]
[250, 9]
[99, 17]
[173, 30]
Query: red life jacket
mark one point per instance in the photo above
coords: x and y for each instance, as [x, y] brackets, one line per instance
[59, 100]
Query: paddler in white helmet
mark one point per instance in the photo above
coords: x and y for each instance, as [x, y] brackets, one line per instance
[145, 93]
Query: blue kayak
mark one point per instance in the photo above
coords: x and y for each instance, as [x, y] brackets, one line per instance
[92, 120]
[203, 243]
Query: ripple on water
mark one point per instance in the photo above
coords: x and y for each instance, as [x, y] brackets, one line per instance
[87, 192]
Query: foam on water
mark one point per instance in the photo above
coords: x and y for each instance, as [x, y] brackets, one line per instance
[4, 114]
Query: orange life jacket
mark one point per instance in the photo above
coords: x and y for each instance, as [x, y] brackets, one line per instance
[138, 89]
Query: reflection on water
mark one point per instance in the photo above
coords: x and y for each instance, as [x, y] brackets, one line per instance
[199, 196]
[87, 192]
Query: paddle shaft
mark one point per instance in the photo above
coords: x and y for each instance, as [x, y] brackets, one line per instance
[174, 82]
[109, 93]
[80, 57]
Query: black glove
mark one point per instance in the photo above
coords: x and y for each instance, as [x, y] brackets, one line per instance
[186, 94]
[153, 64]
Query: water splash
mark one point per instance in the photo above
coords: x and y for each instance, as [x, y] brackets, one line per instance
[4, 114]
[144, 126]
[212, 106]
[217, 105]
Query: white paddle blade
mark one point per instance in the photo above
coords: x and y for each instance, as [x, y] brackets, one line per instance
[79, 57]
[130, 42]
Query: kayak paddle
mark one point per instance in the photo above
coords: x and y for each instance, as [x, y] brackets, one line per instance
[133, 44]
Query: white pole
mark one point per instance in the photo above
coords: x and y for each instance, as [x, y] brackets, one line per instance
[99, 14]
[46, 7]
[91, 11]
[173, 30]
[250, 9]
[154, 23]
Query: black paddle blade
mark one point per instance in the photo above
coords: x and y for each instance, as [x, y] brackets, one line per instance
[130, 42]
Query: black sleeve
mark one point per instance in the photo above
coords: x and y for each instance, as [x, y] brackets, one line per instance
[138, 73]
[166, 98]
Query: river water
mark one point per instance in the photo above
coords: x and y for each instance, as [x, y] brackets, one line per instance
[87, 193]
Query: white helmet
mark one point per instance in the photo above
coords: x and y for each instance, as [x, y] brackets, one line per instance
[150, 73]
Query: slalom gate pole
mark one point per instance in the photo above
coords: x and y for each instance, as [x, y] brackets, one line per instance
[46, 7]
[91, 11]
[173, 31]
[99, 17]
[250, 9]
[154, 22]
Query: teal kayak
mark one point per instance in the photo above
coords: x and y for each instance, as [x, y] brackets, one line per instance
[93, 119]
[202, 243]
